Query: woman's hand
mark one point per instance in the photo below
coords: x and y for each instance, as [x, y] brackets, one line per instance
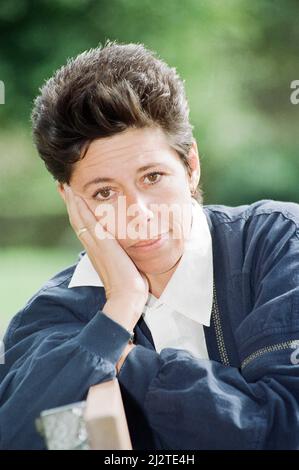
[125, 287]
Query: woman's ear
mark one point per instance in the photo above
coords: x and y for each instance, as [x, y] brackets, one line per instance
[60, 190]
[193, 161]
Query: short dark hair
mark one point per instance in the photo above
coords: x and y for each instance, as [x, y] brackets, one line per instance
[102, 92]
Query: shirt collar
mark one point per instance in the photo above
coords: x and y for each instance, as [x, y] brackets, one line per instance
[190, 289]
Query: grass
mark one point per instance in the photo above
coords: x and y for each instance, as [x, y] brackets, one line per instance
[22, 272]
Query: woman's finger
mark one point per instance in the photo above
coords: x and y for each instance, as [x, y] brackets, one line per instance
[82, 217]
[97, 230]
[86, 215]
[77, 221]
[74, 216]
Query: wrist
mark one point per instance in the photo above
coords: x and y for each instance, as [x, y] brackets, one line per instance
[123, 357]
[125, 310]
[129, 298]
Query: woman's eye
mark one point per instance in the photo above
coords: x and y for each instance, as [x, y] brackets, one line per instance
[153, 177]
[103, 194]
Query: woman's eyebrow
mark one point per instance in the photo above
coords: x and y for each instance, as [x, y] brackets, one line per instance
[99, 179]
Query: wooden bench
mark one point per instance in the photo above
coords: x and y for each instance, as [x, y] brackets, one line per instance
[99, 423]
[105, 418]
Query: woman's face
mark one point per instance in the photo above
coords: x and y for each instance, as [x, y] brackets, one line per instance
[139, 177]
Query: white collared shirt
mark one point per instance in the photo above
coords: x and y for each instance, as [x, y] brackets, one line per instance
[176, 319]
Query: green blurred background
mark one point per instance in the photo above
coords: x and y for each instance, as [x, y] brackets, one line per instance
[238, 59]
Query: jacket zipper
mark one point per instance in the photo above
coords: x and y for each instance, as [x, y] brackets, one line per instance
[292, 344]
[218, 329]
[267, 349]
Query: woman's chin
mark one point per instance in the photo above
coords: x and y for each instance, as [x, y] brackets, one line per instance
[160, 265]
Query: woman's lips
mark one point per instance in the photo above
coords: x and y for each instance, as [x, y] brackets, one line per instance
[150, 244]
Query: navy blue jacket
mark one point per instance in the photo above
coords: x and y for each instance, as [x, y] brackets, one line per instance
[246, 396]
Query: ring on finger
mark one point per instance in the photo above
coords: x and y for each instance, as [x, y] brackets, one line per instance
[81, 230]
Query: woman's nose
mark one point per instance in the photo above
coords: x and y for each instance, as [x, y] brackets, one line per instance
[138, 205]
[139, 212]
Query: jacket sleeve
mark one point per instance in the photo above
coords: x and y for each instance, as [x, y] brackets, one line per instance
[202, 404]
[49, 362]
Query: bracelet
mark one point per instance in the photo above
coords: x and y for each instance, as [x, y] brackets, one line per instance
[132, 336]
[122, 358]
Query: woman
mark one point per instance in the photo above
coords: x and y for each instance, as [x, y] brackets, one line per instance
[194, 308]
